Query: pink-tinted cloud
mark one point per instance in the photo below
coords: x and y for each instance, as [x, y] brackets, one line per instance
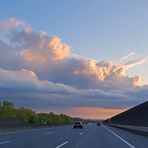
[51, 49]
[39, 46]
[11, 23]
[94, 112]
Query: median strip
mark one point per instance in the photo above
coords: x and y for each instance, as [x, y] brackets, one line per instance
[62, 144]
[5, 142]
[130, 145]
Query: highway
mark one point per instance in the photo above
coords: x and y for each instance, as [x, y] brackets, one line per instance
[91, 136]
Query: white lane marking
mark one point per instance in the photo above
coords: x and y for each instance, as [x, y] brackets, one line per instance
[48, 133]
[81, 133]
[62, 144]
[5, 142]
[130, 145]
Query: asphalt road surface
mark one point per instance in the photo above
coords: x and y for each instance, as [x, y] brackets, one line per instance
[91, 136]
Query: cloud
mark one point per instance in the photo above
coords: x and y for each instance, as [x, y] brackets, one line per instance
[9, 56]
[127, 56]
[93, 112]
[39, 71]
[136, 62]
[109, 74]
[51, 60]
[27, 84]
[39, 46]
[100, 70]
[11, 23]
[52, 49]
[27, 80]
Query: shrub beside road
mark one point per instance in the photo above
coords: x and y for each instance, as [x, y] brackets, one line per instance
[28, 116]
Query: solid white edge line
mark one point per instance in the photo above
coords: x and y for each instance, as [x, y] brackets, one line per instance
[5, 142]
[130, 145]
[62, 144]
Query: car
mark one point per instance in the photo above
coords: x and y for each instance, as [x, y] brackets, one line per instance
[98, 123]
[78, 124]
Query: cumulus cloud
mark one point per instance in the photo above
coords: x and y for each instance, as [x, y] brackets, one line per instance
[39, 46]
[27, 83]
[53, 49]
[112, 75]
[34, 54]
[25, 80]
[50, 59]
[100, 70]
[41, 69]
[11, 23]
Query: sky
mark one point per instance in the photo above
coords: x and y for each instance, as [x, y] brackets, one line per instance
[86, 59]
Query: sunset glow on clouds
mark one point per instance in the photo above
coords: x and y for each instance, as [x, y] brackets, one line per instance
[39, 71]
[93, 112]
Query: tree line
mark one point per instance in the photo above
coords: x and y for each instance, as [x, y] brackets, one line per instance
[28, 116]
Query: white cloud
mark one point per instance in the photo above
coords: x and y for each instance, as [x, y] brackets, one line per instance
[127, 56]
[136, 62]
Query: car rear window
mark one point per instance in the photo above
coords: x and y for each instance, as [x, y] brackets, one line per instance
[77, 123]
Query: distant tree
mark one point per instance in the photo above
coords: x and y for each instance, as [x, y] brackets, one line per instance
[43, 118]
[7, 105]
[27, 115]
[0, 109]
[8, 110]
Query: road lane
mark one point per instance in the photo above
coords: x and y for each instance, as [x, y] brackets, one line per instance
[50, 132]
[50, 137]
[91, 136]
[4, 142]
[99, 137]
[62, 144]
[138, 141]
[130, 145]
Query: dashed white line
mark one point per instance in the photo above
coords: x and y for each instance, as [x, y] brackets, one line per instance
[130, 145]
[4, 142]
[81, 133]
[62, 144]
[48, 133]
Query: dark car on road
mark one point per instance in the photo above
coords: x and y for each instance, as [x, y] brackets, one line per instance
[98, 123]
[78, 124]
